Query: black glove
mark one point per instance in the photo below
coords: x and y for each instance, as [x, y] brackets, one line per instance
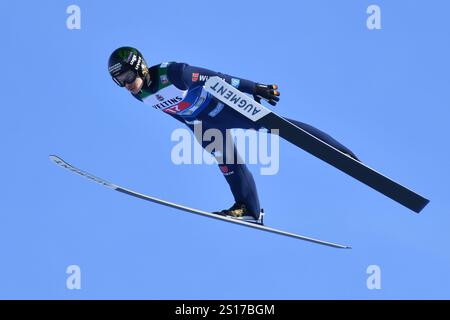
[267, 92]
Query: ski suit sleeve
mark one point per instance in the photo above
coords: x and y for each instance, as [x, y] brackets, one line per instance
[185, 77]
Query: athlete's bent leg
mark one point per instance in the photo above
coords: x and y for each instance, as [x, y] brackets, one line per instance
[236, 173]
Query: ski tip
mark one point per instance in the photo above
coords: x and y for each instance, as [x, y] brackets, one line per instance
[54, 158]
[57, 160]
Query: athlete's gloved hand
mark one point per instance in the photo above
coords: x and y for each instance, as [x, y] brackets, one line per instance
[267, 92]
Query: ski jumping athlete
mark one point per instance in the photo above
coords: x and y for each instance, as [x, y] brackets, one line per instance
[177, 89]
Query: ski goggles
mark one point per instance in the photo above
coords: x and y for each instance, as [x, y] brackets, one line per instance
[127, 77]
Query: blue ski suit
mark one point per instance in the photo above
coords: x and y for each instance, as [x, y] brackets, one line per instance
[177, 89]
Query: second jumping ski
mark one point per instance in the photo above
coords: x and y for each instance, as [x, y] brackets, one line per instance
[60, 162]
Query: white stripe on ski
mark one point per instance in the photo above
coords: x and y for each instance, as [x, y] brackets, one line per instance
[105, 183]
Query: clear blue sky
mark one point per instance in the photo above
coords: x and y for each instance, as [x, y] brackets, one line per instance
[384, 93]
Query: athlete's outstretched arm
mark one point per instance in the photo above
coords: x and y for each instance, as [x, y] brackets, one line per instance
[185, 76]
[190, 76]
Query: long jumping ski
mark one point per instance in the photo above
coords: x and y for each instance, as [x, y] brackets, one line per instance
[60, 162]
[256, 112]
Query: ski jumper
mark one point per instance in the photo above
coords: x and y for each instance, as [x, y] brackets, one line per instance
[177, 89]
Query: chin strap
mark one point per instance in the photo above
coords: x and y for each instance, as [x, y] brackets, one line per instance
[148, 80]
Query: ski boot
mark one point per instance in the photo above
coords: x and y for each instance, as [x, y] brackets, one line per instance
[239, 211]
